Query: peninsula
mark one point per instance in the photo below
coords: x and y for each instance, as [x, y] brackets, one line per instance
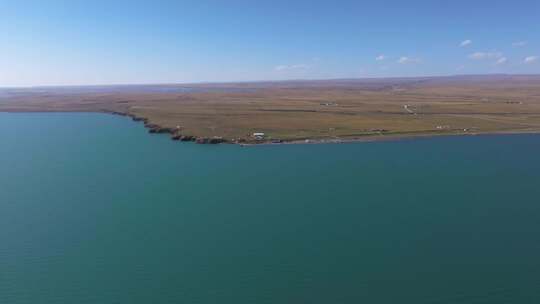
[317, 110]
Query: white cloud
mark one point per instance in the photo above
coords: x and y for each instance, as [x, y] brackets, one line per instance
[501, 60]
[519, 43]
[380, 57]
[465, 43]
[406, 60]
[530, 59]
[485, 55]
[291, 67]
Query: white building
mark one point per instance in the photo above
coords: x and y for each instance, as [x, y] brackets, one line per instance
[259, 136]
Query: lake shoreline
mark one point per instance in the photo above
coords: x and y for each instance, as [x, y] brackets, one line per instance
[177, 135]
[381, 137]
[329, 111]
[388, 138]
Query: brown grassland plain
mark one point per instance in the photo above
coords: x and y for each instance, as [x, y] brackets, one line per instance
[317, 110]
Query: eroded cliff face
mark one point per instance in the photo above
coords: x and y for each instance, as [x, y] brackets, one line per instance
[175, 133]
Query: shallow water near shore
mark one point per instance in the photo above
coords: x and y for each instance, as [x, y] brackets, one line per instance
[93, 209]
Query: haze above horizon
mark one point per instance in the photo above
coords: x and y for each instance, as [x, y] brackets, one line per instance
[138, 42]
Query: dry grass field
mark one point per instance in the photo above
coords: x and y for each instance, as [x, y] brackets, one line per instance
[298, 110]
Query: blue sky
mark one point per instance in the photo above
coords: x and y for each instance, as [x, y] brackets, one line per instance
[118, 42]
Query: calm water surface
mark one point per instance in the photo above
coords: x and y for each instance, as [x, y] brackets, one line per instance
[95, 210]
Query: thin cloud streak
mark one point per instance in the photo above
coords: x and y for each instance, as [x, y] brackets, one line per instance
[408, 60]
[291, 67]
[485, 55]
[465, 43]
[530, 59]
[501, 61]
[519, 43]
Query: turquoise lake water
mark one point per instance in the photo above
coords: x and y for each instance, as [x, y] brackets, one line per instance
[93, 209]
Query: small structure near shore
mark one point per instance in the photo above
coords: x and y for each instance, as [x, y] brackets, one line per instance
[259, 135]
[328, 104]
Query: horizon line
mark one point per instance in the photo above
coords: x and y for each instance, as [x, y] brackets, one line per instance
[251, 81]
